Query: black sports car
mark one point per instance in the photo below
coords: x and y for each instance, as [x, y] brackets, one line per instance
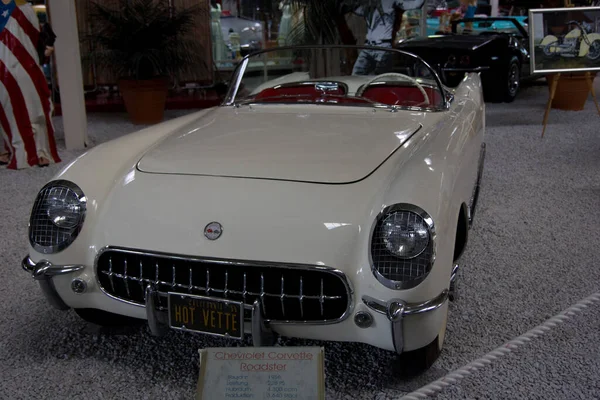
[497, 47]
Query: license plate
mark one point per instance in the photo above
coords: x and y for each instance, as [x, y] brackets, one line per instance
[207, 315]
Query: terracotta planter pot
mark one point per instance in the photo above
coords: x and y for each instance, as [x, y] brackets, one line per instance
[572, 91]
[144, 99]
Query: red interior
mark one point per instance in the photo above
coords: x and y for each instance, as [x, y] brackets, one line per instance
[386, 94]
[401, 95]
[307, 91]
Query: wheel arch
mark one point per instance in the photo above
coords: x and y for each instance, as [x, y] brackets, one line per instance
[462, 231]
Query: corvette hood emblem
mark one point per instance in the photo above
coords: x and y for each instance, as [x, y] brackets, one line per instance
[213, 231]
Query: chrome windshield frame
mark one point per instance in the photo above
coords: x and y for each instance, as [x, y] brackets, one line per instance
[240, 70]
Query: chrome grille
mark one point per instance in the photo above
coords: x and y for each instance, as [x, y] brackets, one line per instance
[286, 292]
[395, 268]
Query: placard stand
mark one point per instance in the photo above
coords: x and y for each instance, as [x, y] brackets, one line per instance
[294, 373]
[554, 83]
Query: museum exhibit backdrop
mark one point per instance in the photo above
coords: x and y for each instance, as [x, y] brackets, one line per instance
[85, 20]
[565, 39]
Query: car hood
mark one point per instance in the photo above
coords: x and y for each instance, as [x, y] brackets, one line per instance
[466, 42]
[319, 143]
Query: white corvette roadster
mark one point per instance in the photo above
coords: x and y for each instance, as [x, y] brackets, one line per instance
[329, 198]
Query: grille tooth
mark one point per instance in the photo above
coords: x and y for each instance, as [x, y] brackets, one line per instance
[244, 291]
[110, 273]
[126, 281]
[322, 299]
[207, 290]
[282, 298]
[141, 275]
[303, 294]
[301, 299]
[262, 292]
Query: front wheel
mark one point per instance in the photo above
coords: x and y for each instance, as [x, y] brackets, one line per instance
[513, 80]
[594, 51]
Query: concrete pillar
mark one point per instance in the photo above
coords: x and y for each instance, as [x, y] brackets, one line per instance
[494, 8]
[68, 66]
[423, 23]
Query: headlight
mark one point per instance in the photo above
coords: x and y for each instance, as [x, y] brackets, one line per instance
[57, 217]
[404, 234]
[402, 246]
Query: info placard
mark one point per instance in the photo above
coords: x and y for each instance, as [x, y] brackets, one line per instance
[294, 373]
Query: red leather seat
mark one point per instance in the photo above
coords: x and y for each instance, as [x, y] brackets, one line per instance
[401, 95]
[308, 92]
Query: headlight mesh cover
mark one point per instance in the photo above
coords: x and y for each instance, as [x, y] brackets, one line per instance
[44, 235]
[401, 273]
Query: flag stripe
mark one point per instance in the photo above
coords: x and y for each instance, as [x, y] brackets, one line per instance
[19, 155]
[39, 82]
[8, 146]
[29, 29]
[20, 112]
[18, 32]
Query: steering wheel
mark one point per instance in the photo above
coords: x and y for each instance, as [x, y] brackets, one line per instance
[401, 77]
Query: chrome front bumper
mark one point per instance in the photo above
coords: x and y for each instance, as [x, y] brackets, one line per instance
[158, 322]
[397, 310]
[43, 272]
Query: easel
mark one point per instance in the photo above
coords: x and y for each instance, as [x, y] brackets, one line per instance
[554, 83]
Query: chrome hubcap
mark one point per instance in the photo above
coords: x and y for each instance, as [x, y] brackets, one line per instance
[513, 79]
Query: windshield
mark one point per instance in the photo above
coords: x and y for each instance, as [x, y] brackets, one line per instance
[487, 26]
[337, 75]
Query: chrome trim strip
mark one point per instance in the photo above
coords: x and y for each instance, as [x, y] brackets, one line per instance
[43, 269]
[454, 273]
[401, 285]
[396, 310]
[340, 274]
[238, 74]
[382, 307]
[476, 69]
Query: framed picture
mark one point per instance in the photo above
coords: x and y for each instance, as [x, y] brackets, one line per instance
[564, 39]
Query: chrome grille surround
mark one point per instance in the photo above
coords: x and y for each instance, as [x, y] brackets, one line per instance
[280, 298]
[44, 236]
[395, 272]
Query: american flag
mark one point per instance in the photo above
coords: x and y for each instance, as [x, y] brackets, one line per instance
[26, 105]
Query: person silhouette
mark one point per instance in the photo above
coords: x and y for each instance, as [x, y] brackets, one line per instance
[383, 22]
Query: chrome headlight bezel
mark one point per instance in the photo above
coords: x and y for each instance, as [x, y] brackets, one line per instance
[39, 215]
[425, 258]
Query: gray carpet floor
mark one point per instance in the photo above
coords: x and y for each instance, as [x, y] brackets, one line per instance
[532, 253]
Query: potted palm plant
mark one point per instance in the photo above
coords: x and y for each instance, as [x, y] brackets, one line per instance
[145, 44]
